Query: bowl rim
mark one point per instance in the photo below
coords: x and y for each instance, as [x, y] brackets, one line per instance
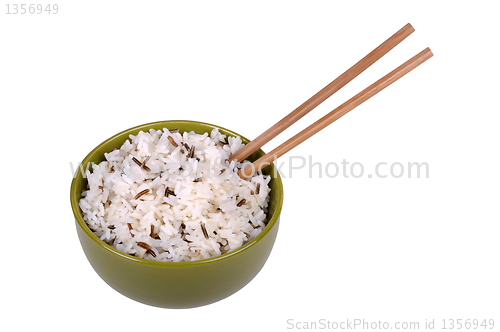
[81, 223]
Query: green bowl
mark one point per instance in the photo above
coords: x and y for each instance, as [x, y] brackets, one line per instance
[178, 284]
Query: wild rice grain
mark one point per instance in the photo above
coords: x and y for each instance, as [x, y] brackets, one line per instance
[144, 245]
[151, 252]
[183, 236]
[171, 140]
[204, 230]
[129, 225]
[144, 192]
[134, 159]
[191, 152]
[143, 165]
[169, 192]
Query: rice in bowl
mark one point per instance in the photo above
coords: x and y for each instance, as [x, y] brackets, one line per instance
[170, 197]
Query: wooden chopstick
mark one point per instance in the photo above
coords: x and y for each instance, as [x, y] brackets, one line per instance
[323, 94]
[355, 101]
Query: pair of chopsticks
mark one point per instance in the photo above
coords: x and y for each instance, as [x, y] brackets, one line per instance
[321, 96]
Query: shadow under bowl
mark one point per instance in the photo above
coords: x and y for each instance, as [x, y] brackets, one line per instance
[176, 284]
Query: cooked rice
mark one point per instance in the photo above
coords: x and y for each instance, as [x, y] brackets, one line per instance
[150, 200]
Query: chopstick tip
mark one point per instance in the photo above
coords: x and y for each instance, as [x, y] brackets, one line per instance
[409, 27]
[426, 53]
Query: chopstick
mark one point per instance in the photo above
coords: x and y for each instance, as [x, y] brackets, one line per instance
[323, 94]
[334, 115]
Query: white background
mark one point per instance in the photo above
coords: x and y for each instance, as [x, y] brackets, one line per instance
[393, 249]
